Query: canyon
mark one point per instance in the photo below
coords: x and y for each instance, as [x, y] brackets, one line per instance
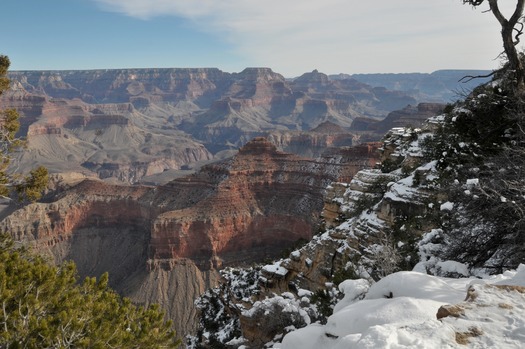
[163, 177]
[165, 244]
[131, 125]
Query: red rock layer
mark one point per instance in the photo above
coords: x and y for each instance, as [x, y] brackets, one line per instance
[266, 201]
[240, 210]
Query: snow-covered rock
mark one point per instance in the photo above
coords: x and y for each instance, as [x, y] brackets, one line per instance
[407, 317]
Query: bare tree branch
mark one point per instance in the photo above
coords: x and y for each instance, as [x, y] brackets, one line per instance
[510, 38]
[468, 78]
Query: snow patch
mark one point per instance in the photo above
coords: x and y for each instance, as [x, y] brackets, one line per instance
[447, 206]
[276, 269]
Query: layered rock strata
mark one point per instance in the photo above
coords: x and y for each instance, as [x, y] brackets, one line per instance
[108, 140]
[315, 142]
[233, 212]
[216, 109]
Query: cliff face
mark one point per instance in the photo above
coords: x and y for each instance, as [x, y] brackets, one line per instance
[237, 211]
[246, 208]
[313, 143]
[266, 199]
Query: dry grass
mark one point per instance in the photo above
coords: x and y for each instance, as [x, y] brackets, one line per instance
[463, 337]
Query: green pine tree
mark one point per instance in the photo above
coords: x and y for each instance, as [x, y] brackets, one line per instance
[28, 188]
[44, 306]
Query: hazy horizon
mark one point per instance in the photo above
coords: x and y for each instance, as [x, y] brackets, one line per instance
[237, 72]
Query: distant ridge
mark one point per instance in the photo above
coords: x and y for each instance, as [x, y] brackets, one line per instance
[439, 86]
[129, 124]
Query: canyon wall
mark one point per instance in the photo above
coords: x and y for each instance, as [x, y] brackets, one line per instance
[164, 244]
[105, 140]
[128, 124]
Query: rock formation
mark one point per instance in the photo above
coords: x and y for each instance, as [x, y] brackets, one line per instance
[127, 124]
[164, 244]
[409, 116]
[109, 140]
[315, 142]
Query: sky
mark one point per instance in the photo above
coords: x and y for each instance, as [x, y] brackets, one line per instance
[290, 36]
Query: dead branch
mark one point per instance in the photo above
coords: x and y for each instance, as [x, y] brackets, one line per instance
[468, 78]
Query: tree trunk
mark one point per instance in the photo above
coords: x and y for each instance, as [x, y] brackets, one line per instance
[515, 63]
[510, 36]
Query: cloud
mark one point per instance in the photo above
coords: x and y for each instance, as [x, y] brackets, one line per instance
[294, 36]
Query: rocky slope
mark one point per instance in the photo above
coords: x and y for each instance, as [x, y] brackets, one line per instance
[164, 244]
[409, 116]
[370, 221]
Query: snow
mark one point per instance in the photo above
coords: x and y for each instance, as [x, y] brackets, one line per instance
[236, 341]
[516, 278]
[448, 267]
[415, 285]
[429, 166]
[407, 318]
[447, 206]
[473, 182]
[285, 304]
[309, 337]
[353, 290]
[402, 190]
[360, 316]
[275, 269]
[302, 292]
